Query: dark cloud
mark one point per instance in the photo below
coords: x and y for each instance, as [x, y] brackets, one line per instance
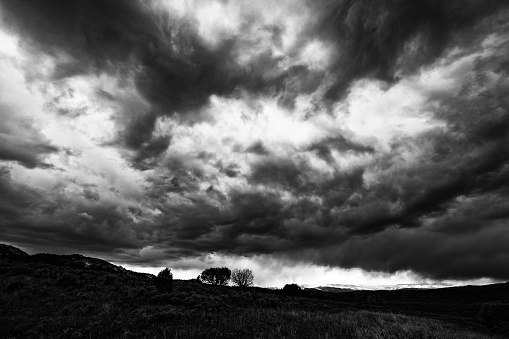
[91, 195]
[173, 68]
[257, 148]
[252, 224]
[430, 190]
[468, 256]
[154, 147]
[414, 210]
[137, 124]
[36, 219]
[387, 39]
[20, 141]
[76, 235]
[470, 165]
[295, 81]
[231, 170]
[279, 173]
[341, 144]
[14, 199]
[27, 153]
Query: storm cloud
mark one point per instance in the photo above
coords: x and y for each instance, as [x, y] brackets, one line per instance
[344, 134]
[389, 39]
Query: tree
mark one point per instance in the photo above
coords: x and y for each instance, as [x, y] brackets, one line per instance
[164, 280]
[242, 278]
[216, 276]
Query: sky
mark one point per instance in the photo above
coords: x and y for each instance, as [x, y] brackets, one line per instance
[315, 142]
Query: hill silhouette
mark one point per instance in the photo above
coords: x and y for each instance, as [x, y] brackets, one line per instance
[73, 296]
[11, 252]
[70, 260]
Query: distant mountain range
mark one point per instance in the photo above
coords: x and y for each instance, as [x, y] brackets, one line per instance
[349, 288]
[70, 260]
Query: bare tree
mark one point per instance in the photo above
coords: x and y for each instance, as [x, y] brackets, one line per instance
[242, 278]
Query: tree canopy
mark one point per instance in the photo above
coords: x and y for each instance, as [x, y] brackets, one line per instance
[164, 280]
[216, 276]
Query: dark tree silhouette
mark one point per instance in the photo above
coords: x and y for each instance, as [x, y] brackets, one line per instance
[164, 280]
[216, 276]
[242, 278]
[292, 289]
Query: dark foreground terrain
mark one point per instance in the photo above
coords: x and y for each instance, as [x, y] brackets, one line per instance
[49, 296]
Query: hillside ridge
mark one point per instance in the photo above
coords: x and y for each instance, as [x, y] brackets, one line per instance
[11, 252]
[70, 260]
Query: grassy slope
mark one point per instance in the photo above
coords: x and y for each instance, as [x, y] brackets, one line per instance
[39, 300]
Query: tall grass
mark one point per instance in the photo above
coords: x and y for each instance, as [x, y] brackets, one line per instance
[269, 323]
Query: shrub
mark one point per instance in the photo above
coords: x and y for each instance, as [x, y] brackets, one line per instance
[164, 280]
[242, 278]
[292, 289]
[216, 276]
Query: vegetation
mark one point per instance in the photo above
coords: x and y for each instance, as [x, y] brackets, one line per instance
[242, 278]
[164, 281]
[292, 289]
[40, 299]
[216, 276]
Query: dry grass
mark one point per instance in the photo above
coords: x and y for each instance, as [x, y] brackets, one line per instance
[303, 324]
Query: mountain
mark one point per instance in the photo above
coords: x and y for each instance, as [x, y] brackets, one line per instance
[11, 252]
[329, 289]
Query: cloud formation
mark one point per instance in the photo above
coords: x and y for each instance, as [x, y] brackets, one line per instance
[390, 39]
[340, 134]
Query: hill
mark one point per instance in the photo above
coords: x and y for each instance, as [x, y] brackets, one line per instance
[57, 298]
[71, 260]
[77, 261]
[11, 252]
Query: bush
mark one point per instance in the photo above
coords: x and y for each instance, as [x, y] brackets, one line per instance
[164, 280]
[242, 278]
[216, 276]
[292, 289]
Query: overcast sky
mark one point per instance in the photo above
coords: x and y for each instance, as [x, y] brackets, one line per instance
[347, 141]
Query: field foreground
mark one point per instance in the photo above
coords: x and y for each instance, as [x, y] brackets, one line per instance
[44, 300]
